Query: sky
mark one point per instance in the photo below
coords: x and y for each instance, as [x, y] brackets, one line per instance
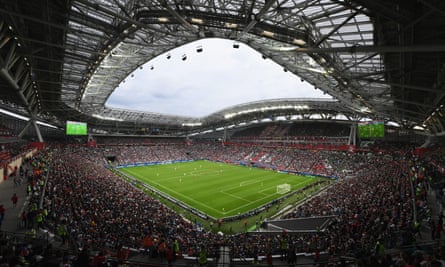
[218, 77]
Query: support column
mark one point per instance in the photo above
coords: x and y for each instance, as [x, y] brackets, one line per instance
[353, 135]
[22, 133]
[36, 127]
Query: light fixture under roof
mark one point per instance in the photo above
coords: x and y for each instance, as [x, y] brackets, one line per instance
[268, 33]
[231, 25]
[299, 42]
[197, 21]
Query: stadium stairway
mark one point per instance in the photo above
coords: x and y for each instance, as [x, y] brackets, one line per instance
[436, 209]
[12, 214]
[12, 220]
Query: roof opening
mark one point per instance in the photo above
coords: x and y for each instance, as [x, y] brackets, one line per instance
[206, 76]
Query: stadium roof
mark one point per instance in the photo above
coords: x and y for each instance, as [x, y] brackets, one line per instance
[61, 60]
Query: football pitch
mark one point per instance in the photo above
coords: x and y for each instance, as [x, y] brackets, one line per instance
[217, 189]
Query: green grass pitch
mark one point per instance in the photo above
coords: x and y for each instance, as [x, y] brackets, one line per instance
[217, 189]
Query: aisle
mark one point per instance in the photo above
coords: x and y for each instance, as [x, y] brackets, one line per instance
[436, 209]
[12, 214]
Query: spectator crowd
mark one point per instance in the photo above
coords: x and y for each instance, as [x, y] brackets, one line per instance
[380, 206]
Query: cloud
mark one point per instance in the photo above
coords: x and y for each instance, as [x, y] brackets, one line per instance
[218, 77]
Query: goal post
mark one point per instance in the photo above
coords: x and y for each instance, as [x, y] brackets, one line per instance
[283, 188]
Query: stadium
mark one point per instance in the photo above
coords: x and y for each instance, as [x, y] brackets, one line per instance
[353, 179]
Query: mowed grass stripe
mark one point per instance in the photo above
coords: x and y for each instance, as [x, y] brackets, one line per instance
[217, 189]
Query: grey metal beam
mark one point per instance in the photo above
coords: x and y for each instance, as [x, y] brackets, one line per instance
[5, 74]
[129, 20]
[181, 19]
[326, 36]
[433, 7]
[36, 127]
[258, 16]
[23, 131]
[408, 86]
[365, 49]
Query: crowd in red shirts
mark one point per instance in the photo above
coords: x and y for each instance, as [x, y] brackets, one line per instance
[100, 210]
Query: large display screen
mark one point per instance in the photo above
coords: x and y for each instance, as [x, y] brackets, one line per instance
[374, 129]
[76, 128]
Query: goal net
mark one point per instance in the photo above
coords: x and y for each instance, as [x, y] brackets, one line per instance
[283, 188]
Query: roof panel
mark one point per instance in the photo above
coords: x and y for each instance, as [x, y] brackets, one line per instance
[84, 41]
